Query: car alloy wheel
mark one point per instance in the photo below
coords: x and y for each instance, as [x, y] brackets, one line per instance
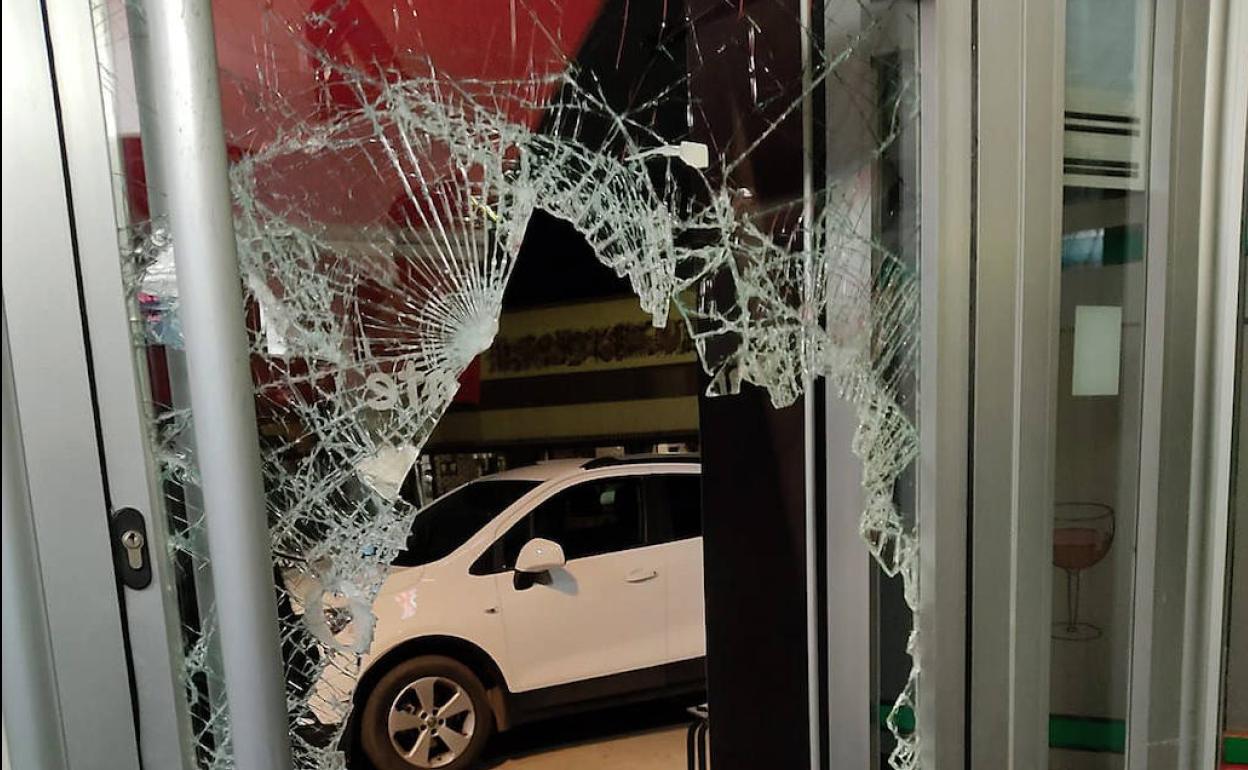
[431, 722]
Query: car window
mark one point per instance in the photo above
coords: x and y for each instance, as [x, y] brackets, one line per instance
[448, 522]
[674, 507]
[591, 518]
[501, 555]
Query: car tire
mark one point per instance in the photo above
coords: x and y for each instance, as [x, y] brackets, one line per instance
[427, 712]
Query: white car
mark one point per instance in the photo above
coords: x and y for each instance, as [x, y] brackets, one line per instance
[557, 587]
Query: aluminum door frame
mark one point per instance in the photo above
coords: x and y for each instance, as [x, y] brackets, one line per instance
[1020, 105]
[78, 36]
[175, 64]
[1183, 453]
[946, 260]
[1226, 178]
[1188, 363]
[1218, 303]
[52, 391]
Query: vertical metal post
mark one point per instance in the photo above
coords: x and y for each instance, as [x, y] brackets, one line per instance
[142, 62]
[192, 158]
[808, 399]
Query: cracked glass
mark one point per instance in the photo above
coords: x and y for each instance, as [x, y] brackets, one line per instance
[750, 172]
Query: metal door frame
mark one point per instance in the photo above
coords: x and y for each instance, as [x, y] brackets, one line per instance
[1223, 181]
[1183, 451]
[77, 34]
[1020, 92]
[59, 458]
[84, 398]
[174, 59]
[1192, 299]
[1165, 482]
[946, 259]
[66, 379]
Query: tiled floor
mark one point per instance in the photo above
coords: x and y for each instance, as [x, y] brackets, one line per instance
[656, 750]
[635, 738]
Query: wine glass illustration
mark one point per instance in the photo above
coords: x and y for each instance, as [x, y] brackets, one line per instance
[1082, 535]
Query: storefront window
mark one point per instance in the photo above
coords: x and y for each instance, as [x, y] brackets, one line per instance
[484, 238]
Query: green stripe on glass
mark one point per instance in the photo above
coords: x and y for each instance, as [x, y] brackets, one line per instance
[1235, 749]
[1076, 733]
[1087, 733]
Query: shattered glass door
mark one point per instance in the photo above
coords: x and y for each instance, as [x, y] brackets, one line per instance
[747, 167]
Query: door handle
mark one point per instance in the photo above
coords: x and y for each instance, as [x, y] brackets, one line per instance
[640, 575]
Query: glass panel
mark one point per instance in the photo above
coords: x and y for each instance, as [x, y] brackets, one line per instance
[447, 523]
[673, 508]
[1235, 682]
[1099, 384]
[592, 518]
[413, 183]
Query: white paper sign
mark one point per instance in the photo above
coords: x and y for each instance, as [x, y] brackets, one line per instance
[1098, 347]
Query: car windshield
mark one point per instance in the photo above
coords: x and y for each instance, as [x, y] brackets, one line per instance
[448, 522]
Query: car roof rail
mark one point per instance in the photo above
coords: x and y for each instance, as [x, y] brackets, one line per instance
[642, 459]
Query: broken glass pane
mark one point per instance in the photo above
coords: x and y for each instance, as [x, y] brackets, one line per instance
[734, 162]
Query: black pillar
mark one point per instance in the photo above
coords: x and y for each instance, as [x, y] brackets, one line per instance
[754, 551]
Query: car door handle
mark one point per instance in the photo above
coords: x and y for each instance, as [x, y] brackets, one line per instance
[641, 575]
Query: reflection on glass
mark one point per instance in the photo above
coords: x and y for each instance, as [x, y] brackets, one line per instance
[1081, 538]
[1099, 384]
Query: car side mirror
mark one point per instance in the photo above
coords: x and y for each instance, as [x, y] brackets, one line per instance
[540, 555]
